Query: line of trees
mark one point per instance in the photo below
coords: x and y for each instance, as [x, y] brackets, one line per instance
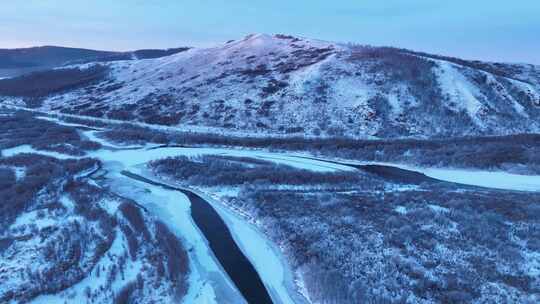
[22, 128]
[511, 152]
[237, 171]
[44, 83]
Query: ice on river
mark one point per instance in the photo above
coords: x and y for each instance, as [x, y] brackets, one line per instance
[489, 179]
[208, 281]
[135, 157]
[28, 149]
[264, 256]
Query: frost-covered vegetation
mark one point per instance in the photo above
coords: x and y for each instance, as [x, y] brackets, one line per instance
[378, 242]
[40, 177]
[267, 85]
[23, 128]
[514, 153]
[64, 238]
[44, 83]
[228, 171]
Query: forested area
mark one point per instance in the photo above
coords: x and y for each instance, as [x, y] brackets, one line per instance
[431, 244]
[58, 229]
[42, 83]
[23, 128]
[379, 242]
[31, 209]
[51, 217]
[41, 175]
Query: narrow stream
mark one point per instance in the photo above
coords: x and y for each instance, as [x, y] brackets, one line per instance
[390, 173]
[231, 258]
[396, 174]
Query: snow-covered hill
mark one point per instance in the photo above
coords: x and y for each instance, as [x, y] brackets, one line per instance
[15, 62]
[287, 85]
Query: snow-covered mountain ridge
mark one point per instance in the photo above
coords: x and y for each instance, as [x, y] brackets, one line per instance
[287, 85]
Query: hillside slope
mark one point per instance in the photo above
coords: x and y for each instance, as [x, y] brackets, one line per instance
[287, 85]
[14, 62]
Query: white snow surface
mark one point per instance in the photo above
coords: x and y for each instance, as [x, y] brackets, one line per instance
[457, 87]
[488, 179]
[76, 293]
[32, 218]
[28, 149]
[208, 282]
[60, 122]
[132, 157]
[322, 91]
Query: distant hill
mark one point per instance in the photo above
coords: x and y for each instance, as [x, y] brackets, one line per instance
[278, 84]
[14, 62]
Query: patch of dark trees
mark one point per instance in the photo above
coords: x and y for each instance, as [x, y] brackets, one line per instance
[221, 170]
[168, 255]
[303, 57]
[23, 128]
[157, 53]
[176, 258]
[498, 69]
[39, 188]
[41, 174]
[483, 221]
[147, 110]
[43, 83]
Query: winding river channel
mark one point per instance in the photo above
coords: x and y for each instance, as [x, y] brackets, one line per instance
[231, 258]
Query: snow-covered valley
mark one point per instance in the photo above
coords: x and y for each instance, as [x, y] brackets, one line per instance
[208, 282]
[192, 152]
[263, 234]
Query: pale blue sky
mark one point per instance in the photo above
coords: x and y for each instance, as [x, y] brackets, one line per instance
[477, 29]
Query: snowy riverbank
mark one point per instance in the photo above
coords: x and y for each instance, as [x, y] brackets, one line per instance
[262, 253]
[266, 258]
